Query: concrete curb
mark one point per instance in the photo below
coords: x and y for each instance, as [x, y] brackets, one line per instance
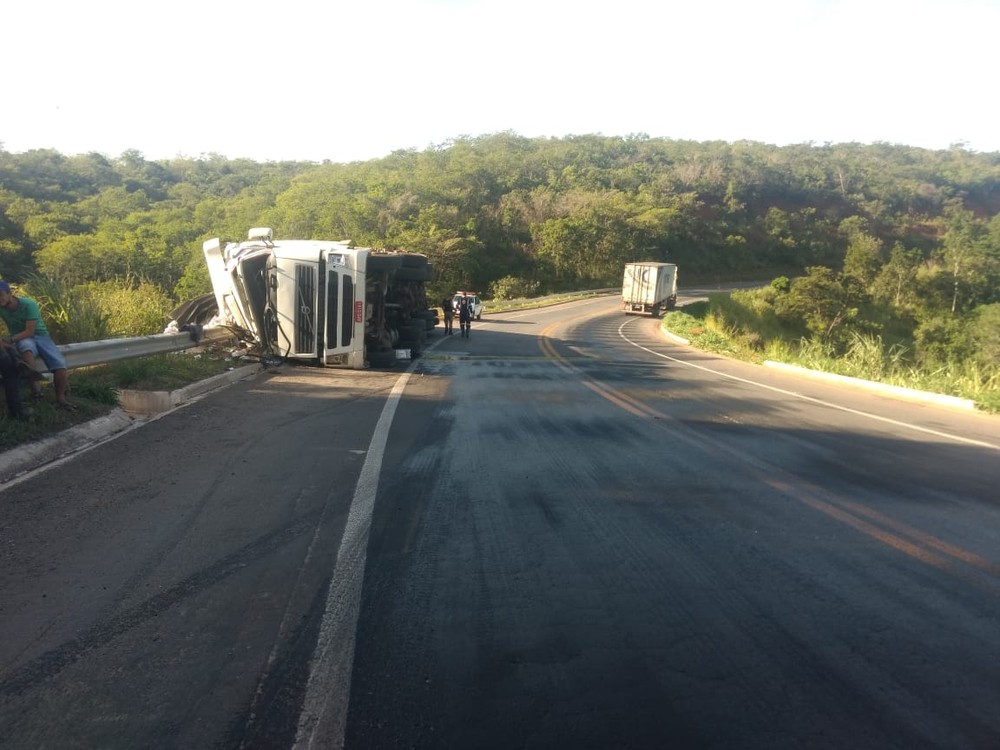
[675, 338]
[156, 402]
[137, 408]
[896, 391]
[25, 458]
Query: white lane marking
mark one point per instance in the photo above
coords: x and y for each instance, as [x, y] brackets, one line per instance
[323, 719]
[869, 415]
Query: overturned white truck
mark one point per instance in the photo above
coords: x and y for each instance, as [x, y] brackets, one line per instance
[321, 302]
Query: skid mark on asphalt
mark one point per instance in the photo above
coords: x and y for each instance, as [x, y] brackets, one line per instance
[54, 661]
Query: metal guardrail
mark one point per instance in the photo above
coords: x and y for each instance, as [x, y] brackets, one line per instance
[87, 353]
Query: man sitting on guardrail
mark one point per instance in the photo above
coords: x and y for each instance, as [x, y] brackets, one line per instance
[29, 334]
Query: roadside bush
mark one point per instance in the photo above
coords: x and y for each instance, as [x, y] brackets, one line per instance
[942, 339]
[132, 308]
[513, 287]
[750, 312]
[826, 304]
[985, 334]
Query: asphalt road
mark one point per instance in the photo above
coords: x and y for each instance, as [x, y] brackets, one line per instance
[564, 531]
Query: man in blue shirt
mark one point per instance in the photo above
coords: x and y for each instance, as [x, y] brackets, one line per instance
[29, 334]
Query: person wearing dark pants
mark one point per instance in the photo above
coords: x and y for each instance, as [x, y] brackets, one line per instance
[465, 316]
[12, 384]
[449, 316]
[29, 334]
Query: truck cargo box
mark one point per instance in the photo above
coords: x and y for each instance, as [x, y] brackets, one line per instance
[649, 288]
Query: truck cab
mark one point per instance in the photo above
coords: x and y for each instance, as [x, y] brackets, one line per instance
[319, 301]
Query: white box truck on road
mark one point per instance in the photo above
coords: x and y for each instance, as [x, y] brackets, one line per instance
[649, 288]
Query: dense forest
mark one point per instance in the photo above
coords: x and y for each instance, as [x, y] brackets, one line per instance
[913, 233]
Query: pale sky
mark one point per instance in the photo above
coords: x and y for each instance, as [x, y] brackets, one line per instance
[312, 80]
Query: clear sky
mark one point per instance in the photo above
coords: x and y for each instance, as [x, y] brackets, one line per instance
[313, 80]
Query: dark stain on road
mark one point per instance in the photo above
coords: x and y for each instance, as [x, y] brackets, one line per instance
[53, 662]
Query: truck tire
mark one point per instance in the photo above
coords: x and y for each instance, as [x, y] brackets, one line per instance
[382, 359]
[416, 331]
[414, 260]
[380, 262]
[407, 273]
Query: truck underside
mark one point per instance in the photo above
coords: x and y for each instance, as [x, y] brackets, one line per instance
[400, 315]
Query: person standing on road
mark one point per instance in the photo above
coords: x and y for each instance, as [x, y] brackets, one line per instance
[29, 334]
[465, 316]
[449, 316]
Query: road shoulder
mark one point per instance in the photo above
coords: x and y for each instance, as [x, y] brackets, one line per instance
[138, 407]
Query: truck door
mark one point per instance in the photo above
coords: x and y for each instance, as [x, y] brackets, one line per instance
[343, 326]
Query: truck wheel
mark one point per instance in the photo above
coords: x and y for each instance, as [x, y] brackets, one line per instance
[409, 273]
[414, 260]
[380, 262]
[656, 310]
[416, 333]
[382, 358]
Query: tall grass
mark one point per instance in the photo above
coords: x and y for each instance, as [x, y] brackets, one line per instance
[98, 310]
[132, 307]
[70, 316]
[744, 325]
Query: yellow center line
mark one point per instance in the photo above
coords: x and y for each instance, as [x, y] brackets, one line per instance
[846, 511]
[931, 541]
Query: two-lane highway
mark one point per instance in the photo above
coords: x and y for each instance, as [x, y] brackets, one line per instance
[564, 531]
[624, 543]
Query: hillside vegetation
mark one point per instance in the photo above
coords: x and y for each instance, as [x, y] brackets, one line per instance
[882, 243]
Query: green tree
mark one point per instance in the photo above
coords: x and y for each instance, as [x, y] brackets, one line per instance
[823, 301]
[71, 259]
[964, 255]
[863, 259]
[895, 284]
